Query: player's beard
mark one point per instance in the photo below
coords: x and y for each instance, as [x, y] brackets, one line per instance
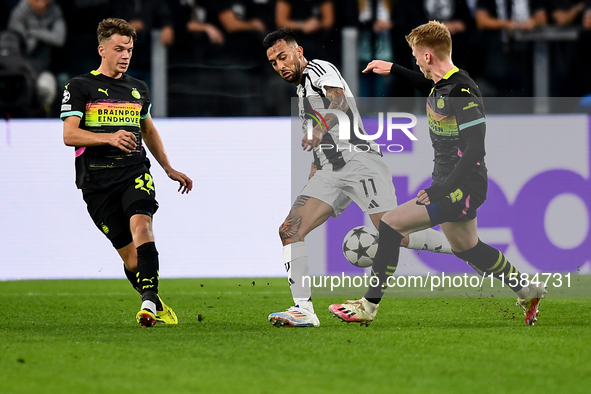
[296, 74]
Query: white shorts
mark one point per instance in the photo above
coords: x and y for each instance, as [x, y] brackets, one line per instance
[365, 179]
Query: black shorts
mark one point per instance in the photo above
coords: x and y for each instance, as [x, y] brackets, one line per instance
[111, 208]
[461, 205]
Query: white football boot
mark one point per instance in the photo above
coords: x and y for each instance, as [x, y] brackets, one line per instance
[355, 311]
[532, 301]
[294, 317]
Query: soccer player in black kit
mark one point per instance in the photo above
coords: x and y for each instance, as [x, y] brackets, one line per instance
[457, 126]
[106, 118]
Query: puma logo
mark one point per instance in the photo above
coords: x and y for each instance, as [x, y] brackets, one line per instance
[105, 91]
[463, 90]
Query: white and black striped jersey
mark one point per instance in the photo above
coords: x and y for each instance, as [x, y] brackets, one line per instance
[333, 152]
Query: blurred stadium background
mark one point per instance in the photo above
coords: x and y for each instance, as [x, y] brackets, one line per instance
[204, 58]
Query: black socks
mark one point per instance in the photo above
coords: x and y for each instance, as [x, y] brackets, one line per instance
[147, 268]
[385, 262]
[492, 262]
[132, 278]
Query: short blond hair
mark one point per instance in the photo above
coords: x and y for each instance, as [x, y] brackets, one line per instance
[432, 35]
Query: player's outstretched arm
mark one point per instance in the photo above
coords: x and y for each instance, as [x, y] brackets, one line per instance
[416, 78]
[380, 67]
[156, 147]
[75, 136]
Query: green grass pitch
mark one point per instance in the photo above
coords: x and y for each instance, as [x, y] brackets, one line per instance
[80, 336]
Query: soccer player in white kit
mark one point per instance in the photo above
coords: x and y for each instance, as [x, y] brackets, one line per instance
[340, 174]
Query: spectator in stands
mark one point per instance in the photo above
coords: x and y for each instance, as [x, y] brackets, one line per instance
[238, 16]
[200, 23]
[578, 82]
[406, 15]
[508, 64]
[243, 30]
[42, 25]
[17, 78]
[82, 17]
[566, 13]
[194, 31]
[587, 16]
[456, 15]
[265, 11]
[510, 15]
[374, 43]
[313, 21]
[4, 12]
[144, 16]
[472, 7]
[199, 38]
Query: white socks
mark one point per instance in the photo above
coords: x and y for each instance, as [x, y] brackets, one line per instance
[149, 305]
[295, 259]
[429, 239]
[524, 292]
[370, 307]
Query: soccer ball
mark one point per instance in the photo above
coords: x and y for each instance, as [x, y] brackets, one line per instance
[360, 246]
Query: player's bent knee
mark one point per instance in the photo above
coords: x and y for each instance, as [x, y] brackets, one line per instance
[400, 221]
[141, 229]
[393, 220]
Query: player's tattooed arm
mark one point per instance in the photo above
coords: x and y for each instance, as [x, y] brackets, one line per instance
[337, 98]
[339, 102]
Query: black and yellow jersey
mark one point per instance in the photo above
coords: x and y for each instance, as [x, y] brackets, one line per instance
[454, 106]
[107, 105]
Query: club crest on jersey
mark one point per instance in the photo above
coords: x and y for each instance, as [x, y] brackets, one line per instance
[456, 196]
[135, 93]
[440, 103]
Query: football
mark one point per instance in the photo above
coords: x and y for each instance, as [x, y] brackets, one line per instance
[360, 246]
